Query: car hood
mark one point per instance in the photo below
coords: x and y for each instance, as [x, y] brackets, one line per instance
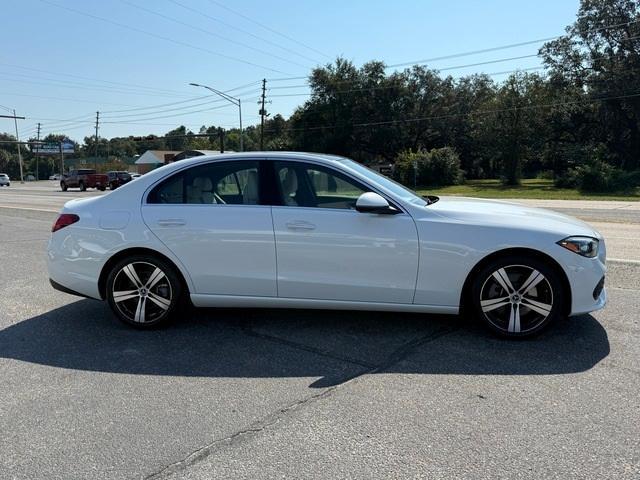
[505, 214]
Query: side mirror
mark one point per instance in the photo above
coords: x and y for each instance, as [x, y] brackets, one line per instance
[371, 202]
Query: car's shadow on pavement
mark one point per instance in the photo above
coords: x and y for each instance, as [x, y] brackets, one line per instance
[328, 345]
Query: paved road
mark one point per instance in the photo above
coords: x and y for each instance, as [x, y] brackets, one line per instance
[265, 393]
[44, 195]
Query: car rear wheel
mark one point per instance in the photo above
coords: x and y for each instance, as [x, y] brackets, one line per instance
[82, 186]
[518, 297]
[143, 291]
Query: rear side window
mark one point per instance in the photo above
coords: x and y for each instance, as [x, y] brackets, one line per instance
[224, 183]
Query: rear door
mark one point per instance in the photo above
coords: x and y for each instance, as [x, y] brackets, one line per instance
[210, 217]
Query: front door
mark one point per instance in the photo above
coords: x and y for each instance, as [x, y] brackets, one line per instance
[327, 250]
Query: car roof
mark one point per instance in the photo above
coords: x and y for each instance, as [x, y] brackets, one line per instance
[322, 157]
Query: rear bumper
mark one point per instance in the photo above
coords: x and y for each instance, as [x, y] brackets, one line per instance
[64, 289]
[71, 268]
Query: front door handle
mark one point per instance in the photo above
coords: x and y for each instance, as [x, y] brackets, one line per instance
[300, 225]
[171, 222]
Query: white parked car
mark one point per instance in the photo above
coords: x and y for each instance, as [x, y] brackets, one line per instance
[56, 176]
[319, 231]
[5, 181]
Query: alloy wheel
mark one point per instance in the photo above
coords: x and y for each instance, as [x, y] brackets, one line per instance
[142, 292]
[516, 299]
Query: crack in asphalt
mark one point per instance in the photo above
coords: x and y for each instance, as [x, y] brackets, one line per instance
[307, 348]
[258, 426]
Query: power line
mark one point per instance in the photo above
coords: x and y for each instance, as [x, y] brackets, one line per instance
[207, 32]
[175, 109]
[389, 87]
[158, 106]
[62, 84]
[266, 27]
[178, 114]
[129, 85]
[63, 99]
[250, 84]
[485, 50]
[455, 67]
[453, 115]
[79, 117]
[178, 103]
[161, 37]
[504, 47]
[154, 112]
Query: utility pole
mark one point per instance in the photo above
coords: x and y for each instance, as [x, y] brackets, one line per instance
[262, 112]
[15, 121]
[61, 159]
[221, 138]
[38, 153]
[96, 153]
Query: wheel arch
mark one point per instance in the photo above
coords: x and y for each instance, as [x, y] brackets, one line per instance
[106, 268]
[465, 296]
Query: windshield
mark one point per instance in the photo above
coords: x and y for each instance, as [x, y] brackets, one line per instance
[397, 189]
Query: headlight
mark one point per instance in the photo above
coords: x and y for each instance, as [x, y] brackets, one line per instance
[585, 246]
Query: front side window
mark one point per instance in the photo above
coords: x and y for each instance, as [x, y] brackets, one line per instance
[307, 185]
[225, 183]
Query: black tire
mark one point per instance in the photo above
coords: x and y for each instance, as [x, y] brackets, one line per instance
[530, 298]
[102, 189]
[159, 301]
[82, 186]
[63, 186]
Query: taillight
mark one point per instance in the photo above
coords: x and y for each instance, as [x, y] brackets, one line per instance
[64, 220]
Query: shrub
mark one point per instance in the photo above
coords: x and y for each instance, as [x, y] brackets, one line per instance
[568, 179]
[597, 176]
[546, 175]
[437, 167]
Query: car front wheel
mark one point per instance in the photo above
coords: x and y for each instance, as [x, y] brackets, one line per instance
[143, 291]
[518, 297]
[63, 186]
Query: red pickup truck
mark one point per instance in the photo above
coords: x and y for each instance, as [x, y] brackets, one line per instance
[84, 178]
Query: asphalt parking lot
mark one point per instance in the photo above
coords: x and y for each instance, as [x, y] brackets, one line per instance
[304, 394]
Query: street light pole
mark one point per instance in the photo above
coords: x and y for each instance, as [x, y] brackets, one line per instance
[15, 121]
[229, 98]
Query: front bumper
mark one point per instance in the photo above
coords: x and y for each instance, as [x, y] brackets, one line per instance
[586, 278]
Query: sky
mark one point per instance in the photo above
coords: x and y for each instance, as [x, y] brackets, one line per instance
[133, 60]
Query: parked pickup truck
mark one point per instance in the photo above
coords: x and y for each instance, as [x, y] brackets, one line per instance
[84, 178]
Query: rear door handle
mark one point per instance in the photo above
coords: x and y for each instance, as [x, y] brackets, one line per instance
[171, 222]
[300, 225]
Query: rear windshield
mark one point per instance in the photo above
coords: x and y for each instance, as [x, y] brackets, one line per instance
[86, 171]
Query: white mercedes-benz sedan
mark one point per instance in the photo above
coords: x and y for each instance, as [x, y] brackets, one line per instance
[297, 230]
